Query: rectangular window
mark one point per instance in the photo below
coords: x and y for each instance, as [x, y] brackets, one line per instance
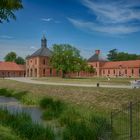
[126, 72]
[114, 72]
[132, 71]
[44, 61]
[103, 71]
[44, 71]
[35, 61]
[108, 71]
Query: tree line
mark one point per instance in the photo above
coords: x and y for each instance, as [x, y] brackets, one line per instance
[115, 55]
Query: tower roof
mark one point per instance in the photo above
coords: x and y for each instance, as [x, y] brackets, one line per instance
[43, 51]
[97, 57]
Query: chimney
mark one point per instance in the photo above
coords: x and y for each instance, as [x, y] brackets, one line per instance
[97, 52]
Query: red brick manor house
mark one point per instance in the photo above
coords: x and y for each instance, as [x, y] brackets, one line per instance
[37, 65]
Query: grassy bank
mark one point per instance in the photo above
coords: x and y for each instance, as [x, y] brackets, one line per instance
[23, 126]
[97, 99]
[74, 109]
[7, 133]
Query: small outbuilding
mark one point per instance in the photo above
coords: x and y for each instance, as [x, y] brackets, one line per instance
[11, 69]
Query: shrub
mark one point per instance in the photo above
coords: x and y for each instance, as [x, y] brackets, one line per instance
[46, 102]
[53, 108]
[5, 92]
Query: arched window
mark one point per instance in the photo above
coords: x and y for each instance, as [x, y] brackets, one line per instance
[44, 71]
[35, 61]
[132, 71]
[108, 71]
[114, 72]
[125, 71]
[44, 61]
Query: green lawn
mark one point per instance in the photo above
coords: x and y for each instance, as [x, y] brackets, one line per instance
[112, 81]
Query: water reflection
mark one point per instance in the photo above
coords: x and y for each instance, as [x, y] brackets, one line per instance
[14, 106]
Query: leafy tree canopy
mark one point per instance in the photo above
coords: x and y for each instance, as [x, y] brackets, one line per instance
[20, 60]
[114, 55]
[67, 59]
[7, 9]
[12, 57]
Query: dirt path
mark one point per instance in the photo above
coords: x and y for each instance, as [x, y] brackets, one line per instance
[29, 80]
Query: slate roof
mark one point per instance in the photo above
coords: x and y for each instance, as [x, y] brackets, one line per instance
[96, 57]
[43, 51]
[11, 66]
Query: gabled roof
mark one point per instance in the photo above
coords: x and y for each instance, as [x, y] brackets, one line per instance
[122, 64]
[96, 57]
[11, 66]
[43, 51]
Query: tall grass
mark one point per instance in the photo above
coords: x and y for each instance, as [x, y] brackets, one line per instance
[12, 93]
[52, 108]
[23, 125]
[7, 134]
[19, 95]
[94, 128]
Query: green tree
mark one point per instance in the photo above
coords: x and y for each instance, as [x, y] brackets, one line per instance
[7, 9]
[10, 57]
[112, 56]
[20, 60]
[90, 69]
[66, 58]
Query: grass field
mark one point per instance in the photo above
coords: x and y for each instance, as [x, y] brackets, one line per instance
[100, 101]
[112, 81]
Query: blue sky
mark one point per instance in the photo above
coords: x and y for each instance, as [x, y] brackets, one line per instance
[86, 24]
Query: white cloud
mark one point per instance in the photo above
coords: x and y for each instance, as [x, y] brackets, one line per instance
[33, 47]
[112, 17]
[111, 29]
[119, 11]
[50, 19]
[6, 37]
[47, 19]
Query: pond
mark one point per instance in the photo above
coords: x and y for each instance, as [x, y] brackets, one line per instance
[13, 106]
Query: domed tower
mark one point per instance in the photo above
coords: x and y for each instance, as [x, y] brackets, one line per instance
[37, 64]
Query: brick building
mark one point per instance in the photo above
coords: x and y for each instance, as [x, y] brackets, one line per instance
[11, 69]
[37, 65]
[106, 68]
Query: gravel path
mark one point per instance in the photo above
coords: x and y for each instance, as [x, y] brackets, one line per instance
[29, 80]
